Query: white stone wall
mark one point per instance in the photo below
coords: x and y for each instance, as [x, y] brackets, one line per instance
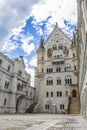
[9, 75]
[82, 41]
[41, 83]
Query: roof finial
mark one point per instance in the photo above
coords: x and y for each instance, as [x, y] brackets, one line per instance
[56, 24]
[41, 42]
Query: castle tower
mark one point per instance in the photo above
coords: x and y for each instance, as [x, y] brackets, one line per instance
[39, 70]
[40, 62]
[74, 105]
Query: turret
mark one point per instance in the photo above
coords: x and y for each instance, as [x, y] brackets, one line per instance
[74, 53]
[40, 62]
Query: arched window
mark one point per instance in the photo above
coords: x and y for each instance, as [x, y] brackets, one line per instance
[19, 73]
[55, 57]
[58, 81]
[67, 67]
[49, 70]
[74, 93]
[47, 94]
[5, 101]
[60, 47]
[5, 84]
[60, 94]
[68, 80]
[73, 55]
[58, 69]
[18, 86]
[54, 47]
[9, 68]
[49, 81]
[58, 56]
[42, 70]
[74, 67]
[51, 94]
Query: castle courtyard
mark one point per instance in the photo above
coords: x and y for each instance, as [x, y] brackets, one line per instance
[42, 122]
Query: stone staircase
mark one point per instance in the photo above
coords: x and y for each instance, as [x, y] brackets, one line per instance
[31, 108]
[74, 107]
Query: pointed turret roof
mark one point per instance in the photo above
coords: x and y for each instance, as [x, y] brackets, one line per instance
[41, 43]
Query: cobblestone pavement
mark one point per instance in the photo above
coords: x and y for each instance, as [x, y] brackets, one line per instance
[42, 122]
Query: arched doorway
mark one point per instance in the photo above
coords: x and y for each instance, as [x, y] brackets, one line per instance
[74, 93]
[19, 103]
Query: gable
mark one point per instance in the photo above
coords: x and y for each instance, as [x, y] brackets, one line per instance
[57, 37]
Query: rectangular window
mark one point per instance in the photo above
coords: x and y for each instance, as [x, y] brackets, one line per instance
[51, 94]
[47, 106]
[57, 94]
[61, 106]
[60, 94]
[47, 94]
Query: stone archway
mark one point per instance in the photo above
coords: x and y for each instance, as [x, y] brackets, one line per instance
[19, 103]
[74, 93]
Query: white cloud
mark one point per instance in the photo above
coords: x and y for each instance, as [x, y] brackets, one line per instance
[31, 72]
[27, 44]
[13, 14]
[28, 48]
[9, 46]
[58, 10]
[33, 61]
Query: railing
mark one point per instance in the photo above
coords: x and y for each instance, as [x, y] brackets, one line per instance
[58, 61]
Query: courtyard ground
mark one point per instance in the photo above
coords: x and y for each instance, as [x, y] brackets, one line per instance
[42, 122]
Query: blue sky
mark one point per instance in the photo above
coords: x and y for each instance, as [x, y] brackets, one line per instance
[22, 23]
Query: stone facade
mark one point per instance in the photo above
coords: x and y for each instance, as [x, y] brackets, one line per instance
[82, 53]
[16, 94]
[56, 74]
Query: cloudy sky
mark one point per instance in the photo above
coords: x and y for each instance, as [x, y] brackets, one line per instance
[22, 22]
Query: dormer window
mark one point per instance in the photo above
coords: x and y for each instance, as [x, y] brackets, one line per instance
[19, 73]
[9, 68]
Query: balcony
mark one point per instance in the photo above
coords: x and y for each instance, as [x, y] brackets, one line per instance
[74, 58]
[40, 74]
[21, 93]
[58, 61]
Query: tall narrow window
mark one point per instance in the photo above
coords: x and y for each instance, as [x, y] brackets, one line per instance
[42, 70]
[49, 81]
[47, 94]
[73, 55]
[57, 94]
[58, 81]
[54, 47]
[9, 68]
[51, 94]
[46, 106]
[74, 67]
[68, 80]
[5, 101]
[61, 106]
[60, 94]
